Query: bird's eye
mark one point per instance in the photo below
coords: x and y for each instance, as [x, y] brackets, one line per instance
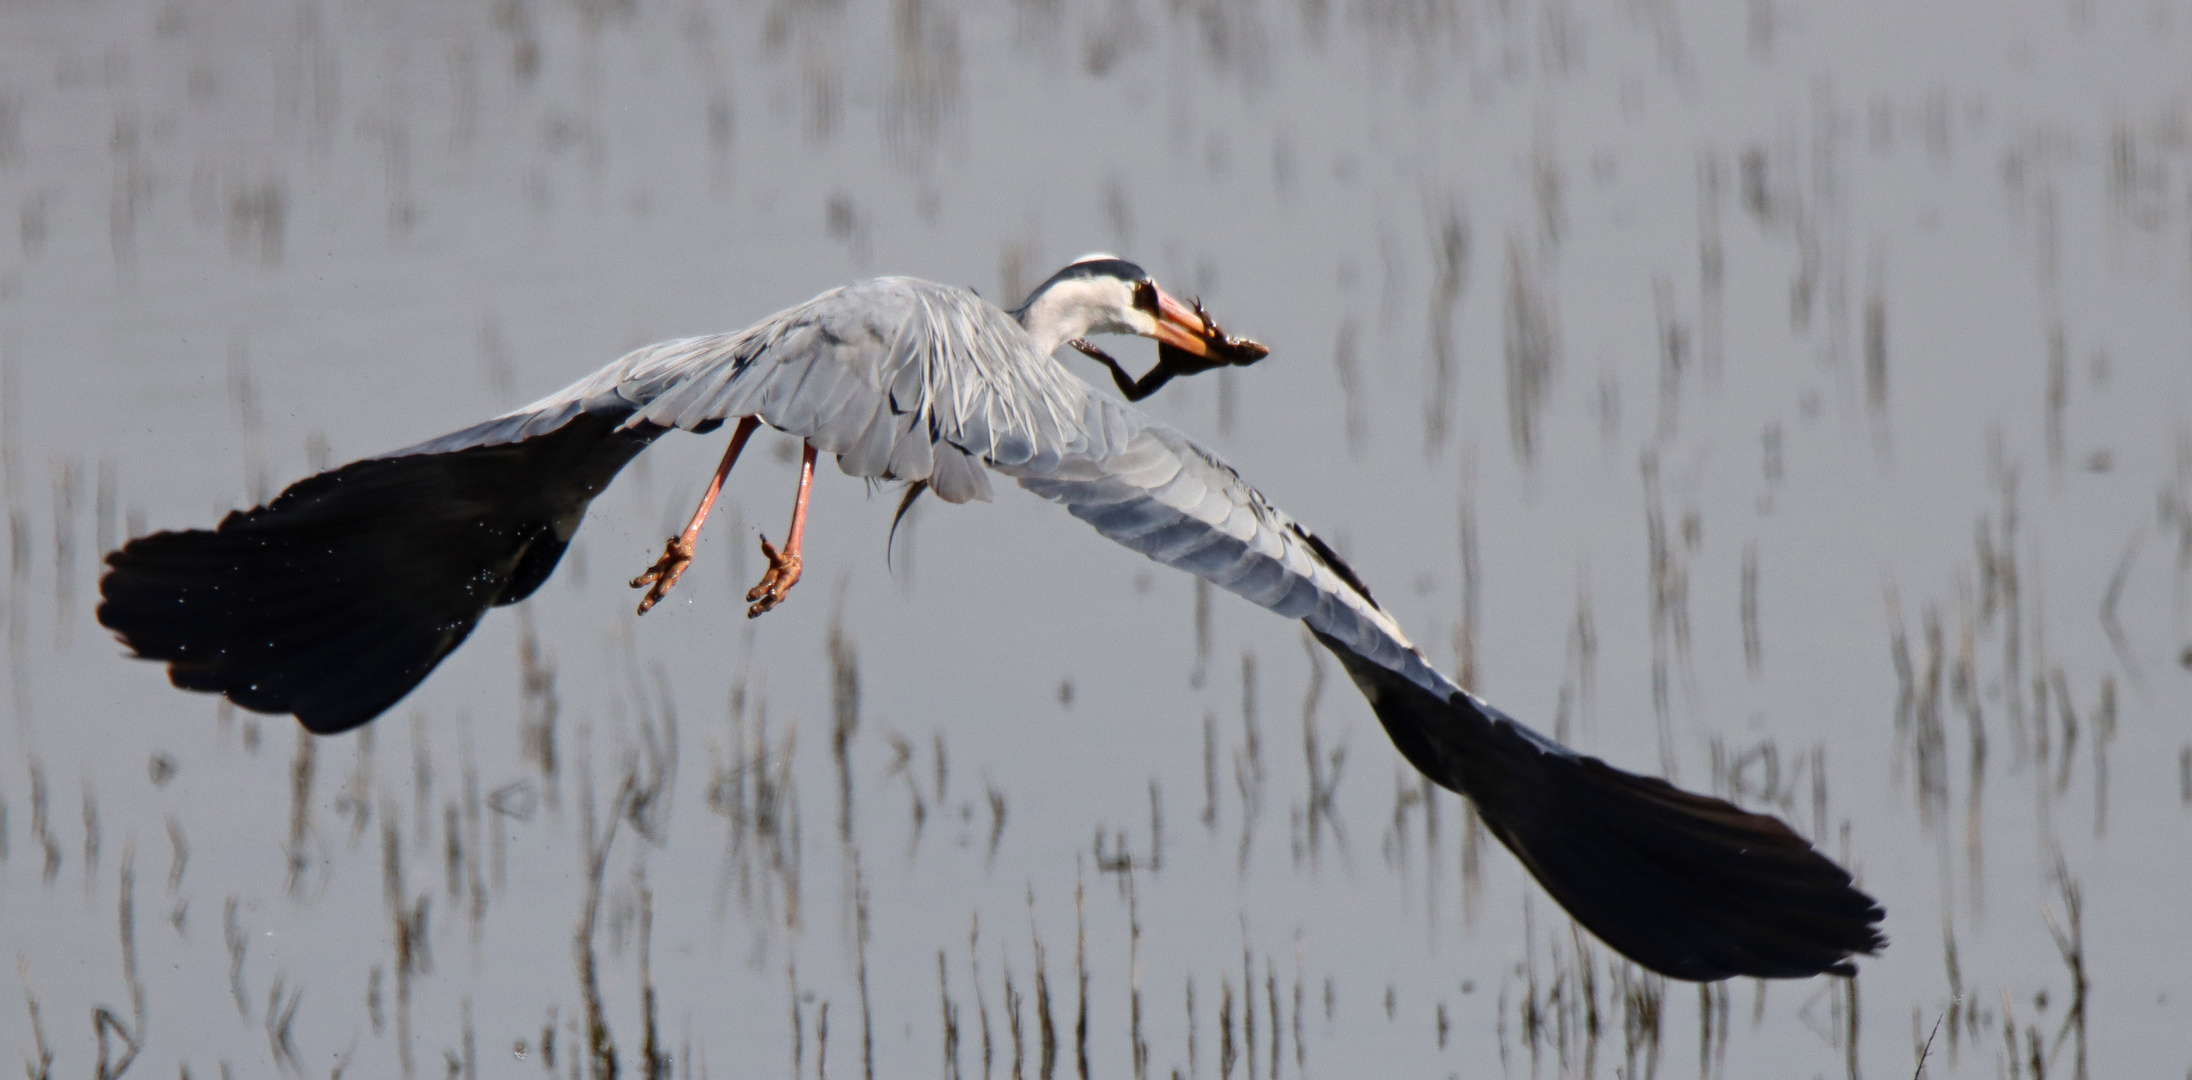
[1145, 295]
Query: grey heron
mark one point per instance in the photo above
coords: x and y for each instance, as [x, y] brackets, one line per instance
[338, 597]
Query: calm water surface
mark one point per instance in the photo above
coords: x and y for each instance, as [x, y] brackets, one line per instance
[1792, 399]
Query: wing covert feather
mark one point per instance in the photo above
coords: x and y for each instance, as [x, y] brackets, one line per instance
[887, 374]
[1158, 492]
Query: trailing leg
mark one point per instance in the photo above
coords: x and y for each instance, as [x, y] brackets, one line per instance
[784, 566]
[677, 551]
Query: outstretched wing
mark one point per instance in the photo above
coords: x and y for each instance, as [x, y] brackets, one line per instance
[900, 378]
[338, 597]
[1687, 885]
[1153, 489]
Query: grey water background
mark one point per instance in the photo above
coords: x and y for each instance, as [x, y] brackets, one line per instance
[1787, 398]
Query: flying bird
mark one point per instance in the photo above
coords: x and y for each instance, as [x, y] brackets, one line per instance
[338, 597]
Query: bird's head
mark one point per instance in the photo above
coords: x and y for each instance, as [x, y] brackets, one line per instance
[1105, 294]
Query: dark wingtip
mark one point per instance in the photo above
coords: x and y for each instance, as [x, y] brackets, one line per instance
[278, 617]
[1687, 885]
[335, 599]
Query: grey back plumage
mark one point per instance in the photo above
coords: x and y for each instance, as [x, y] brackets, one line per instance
[900, 378]
[910, 380]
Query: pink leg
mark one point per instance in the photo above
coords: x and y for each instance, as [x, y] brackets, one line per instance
[784, 566]
[677, 552]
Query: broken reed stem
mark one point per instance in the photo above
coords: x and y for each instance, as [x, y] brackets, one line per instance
[799, 1022]
[396, 897]
[1080, 964]
[1012, 1020]
[981, 997]
[1226, 1052]
[1139, 1046]
[1248, 1001]
[301, 772]
[1193, 1066]
[1047, 1030]
[951, 1016]
[860, 944]
[601, 1045]
[653, 1062]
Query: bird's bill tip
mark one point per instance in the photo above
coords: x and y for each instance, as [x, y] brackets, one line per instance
[1190, 329]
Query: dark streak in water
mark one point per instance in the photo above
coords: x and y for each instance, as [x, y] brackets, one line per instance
[1753, 645]
[1210, 771]
[981, 997]
[860, 953]
[1044, 1026]
[1248, 769]
[1470, 616]
[539, 708]
[40, 826]
[1876, 342]
[232, 928]
[1347, 365]
[951, 1018]
[654, 1063]
[1450, 279]
[302, 771]
[1324, 771]
[1080, 967]
[595, 841]
[1712, 264]
[845, 720]
[1532, 348]
[91, 836]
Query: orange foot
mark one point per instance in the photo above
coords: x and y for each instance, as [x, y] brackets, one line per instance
[677, 554]
[784, 567]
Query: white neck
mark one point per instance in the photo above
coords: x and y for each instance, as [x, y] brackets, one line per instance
[1078, 307]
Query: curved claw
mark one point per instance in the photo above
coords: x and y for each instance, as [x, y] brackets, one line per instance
[783, 573]
[677, 554]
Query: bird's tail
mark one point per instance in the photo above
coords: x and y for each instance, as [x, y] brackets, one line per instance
[338, 597]
[1688, 886]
